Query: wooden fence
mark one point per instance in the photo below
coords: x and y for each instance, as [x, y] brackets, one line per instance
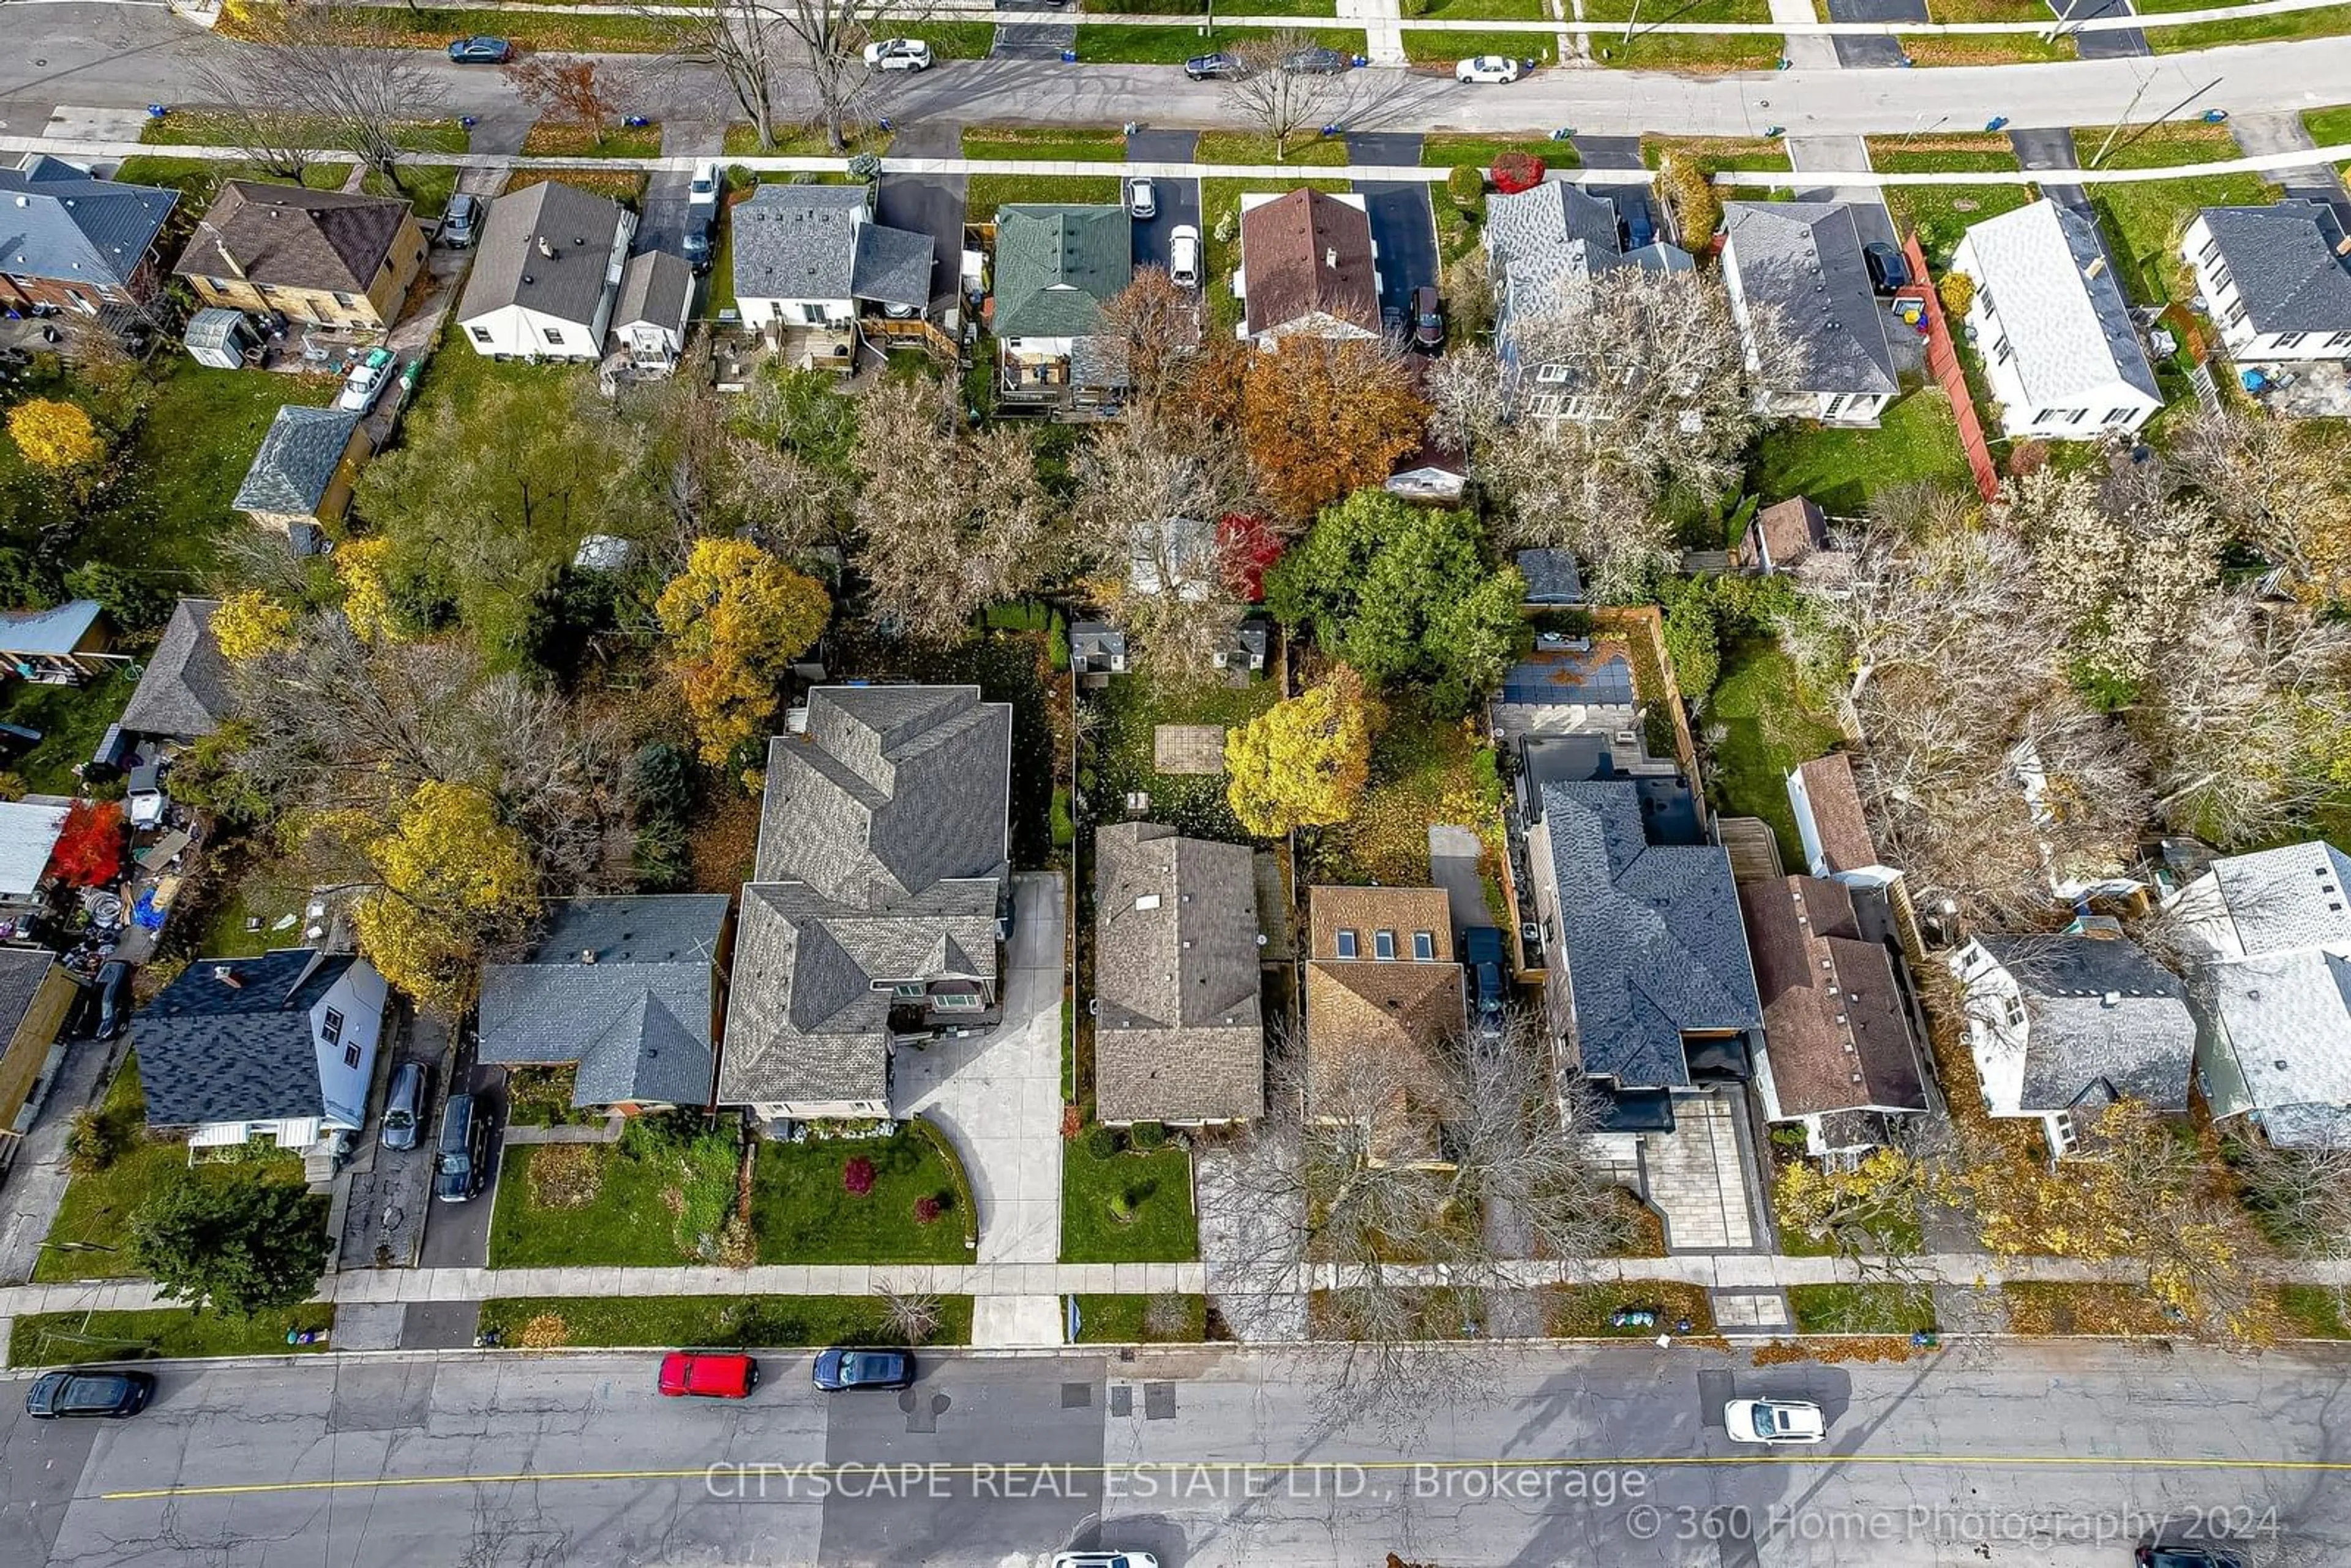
[1943, 360]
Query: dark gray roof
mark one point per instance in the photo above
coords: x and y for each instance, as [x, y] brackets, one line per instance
[1551, 575]
[185, 692]
[56, 222]
[22, 970]
[56, 629]
[294, 235]
[892, 789]
[654, 287]
[1803, 259]
[2106, 1021]
[894, 267]
[296, 461]
[579, 229]
[798, 242]
[1651, 936]
[2282, 260]
[212, 1051]
[636, 1020]
[1177, 1032]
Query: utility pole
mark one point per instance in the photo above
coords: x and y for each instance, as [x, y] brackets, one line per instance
[2151, 124]
[1917, 125]
[2120, 125]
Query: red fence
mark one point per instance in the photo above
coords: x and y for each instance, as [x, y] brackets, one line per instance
[1943, 360]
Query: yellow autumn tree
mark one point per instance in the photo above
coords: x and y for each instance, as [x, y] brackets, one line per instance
[736, 618]
[55, 437]
[367, 601]
[1304, 761]
[250, 624]
[452, 880]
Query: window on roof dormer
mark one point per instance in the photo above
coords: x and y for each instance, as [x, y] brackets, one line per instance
[1384, 945]
[1347, 945]
[1424, 945]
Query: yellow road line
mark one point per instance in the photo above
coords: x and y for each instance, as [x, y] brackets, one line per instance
[752, 1469]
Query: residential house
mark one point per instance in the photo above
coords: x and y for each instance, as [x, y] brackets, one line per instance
[1832, 825]
[648, 317]
[77, 242]
[1177, 1033]
[546, 274]
[2276, 279]
[1782, 537]
[184, 693]
[1543, 247]
[1097, 648]
[628, 992]
[279, 1047]
[62, 646]
[303, 475]
[811, 265]
[326, 257]
[1055, 268]
[2051, 327]
[1309, 267]
[2061, 1025]
[29, 830]
[1802, 261]
[1838, 1057]
[1384, 1003]
[872, 915]
[35, 995]
[1553, 578]
[2269, 934]
[1648, 990]
[1433, 472]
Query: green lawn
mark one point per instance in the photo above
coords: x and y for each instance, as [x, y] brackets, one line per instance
[1194, 8]
[1158, 1184]
[1072, 144]
[67, 1339]
[2328, 127]
[1768, 730]
[2143, 220]
[1431, 47]
[72, 721]
[260, 895]
[1862, 1309]
[2325, 23]
[1311, 150]
[97, 1207]
[2313, 1312]
[1478, 11]
[198, 180]
[628, 1212]
[1692, 51]
[1119, 763]
[1142, 1319]
[1942, 214]
[717, 1321]
[1714, 154]
[742, 140]
[802, 1213]
[1448, 149]
[1179, 41]
[1932, 49]
[1839, 469]
[195, 128]
[984, 194]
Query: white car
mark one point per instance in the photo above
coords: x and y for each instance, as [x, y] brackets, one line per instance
[1184, 257]
[366, 381]
[1104, 1559]
[1487, 69]
[702, 195]
[898, 55]
[1774, 1421]
[1142, 199]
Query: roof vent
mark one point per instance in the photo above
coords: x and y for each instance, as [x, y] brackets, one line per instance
[526, 277]
[1148, 901]
[1330, 257]
[587, 955]
[546, 249]
[2097, 266]
[226, 975]
[2280, 1064]
[23, 201]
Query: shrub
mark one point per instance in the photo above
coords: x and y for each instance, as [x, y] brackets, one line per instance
[2027, 457]
[1689, 190]
[1056, 641]
[1146, 1135]
[1466, 184]
[1065, 830]
[927, 1209]
[962, 1201]
[1516, 172]
[1102, 1142]
[1121, 1208]
[1959, 292]
[857, 1175]
[93, 1142]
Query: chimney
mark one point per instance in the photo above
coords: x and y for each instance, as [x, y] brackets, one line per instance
[227, 976]
[2097, 265]
[1330, 257]
[546, 249]
[587, 955]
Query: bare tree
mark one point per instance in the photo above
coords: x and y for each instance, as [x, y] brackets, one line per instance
[343, 69]
[2283, 486]
[1152, 492]
[829, 38]
[568, 89]
[743, 40]
[1158, 324]
[245, 102]
[910, 1316]
[1280, 90]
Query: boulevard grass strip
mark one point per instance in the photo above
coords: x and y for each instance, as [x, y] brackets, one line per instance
[1585, 1311]
[71, 1339]
[1172, 45]
[616, 31]
[1698, 53]
[803, 1212]
[984, 194]
[1311, 150]
[1862, 1309]
[742, 140]
[1142, 1319]
[1448, 149]
[1931, 49]
[2313, 1312]
[1423, 45]
[2328, 127]
[1478, 11]
[2155, 146]
[2042, 1309]
[729, 1322]
[1993, 11]
[1156, 1187]
[1714, 154]
[2327, 22]
[548, 140]
[1942, 214]
[1195, 7]
[204, 128]
[1045, 144]
[1917, 440]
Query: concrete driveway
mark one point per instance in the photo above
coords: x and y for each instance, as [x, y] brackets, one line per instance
[1453, 866]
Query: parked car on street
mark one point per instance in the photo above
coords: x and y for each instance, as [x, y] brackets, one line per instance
[1427, 320]
[462, 221]
[1888, 268]
[480, 51]
[1212, 67]
[898, 55]
[366, 383]
[1774, 1421]
[1490, 68]
[709, 1374]
[404, 1106]
[61, 1395]
[462, 1165]
[1317, 61]
[841, 1369]
[1184, 257]
[2185, 1557]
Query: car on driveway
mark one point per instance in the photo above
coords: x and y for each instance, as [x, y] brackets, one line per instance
[701, 190]
[1184, 257]
[462, 221]
[1888, 269]
[1774, 1421]
[1427, 320]
[1218, 66]
[1317, 61]
[367, 381]
[1481, 955]
[1142, 199]
[480, 51]
[1490, 68]
[694, 243]
[404, 1106]
[842, 1368]
[59, 1395]
[898, 55]
[709, 1374]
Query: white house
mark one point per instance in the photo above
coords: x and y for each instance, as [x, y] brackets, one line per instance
[813, 255]
[550, 267]
[281, 1046]
[649, 319]
[2275, 279]
[2058, 346]
[1802, 260]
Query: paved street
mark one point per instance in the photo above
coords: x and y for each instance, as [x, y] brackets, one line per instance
[1610, 1455]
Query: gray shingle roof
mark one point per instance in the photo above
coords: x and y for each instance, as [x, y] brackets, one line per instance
[1542, 239]
[1552, 575]
[1651, 936]
[894, 267]
[2104, 1021]
[2289, 897]
[1177, 1032]
[185, 692]
[55, 222]
[1803, 259]
[798, 242]
[210, 1052]
[2068, 328]
[892, 788]
[1056, 264]
[637, 1020]
[656, 287]
[2282, 260]
[56, 629]
[296, 461]
[579, 229]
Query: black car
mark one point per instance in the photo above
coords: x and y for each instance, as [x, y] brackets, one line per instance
[2187, 1557]
[1202, 68]
[695, 245]
[59, 1394]
[480, 51]
[1481, 955]
[1888, 270]
[1427, 320]
[841, 1369]
[461, 1165]
[1317, 61]
[106, 1005]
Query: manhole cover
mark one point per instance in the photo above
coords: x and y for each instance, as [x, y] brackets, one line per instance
[1159, 1401]
[1077, 1395]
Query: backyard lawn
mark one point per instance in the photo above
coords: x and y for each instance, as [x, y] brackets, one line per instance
[642, 1202]
[1142, 1319]
[1838, 468]
[713, 1322]
[1758, 726]
[1156, 1187]
[1862, 1309]
[1120, 762]
[72, 721]
[261, 894]
[66, 1339]
[803, 1212]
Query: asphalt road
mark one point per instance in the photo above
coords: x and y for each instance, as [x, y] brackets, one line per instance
[2051, 1457]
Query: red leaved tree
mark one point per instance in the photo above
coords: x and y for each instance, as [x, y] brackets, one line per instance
[1516, 172]
[89, 850]
[857, 1176]
[1247, 546]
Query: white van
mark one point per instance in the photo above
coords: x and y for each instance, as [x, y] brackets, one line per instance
[702, 197]
[1184, 257]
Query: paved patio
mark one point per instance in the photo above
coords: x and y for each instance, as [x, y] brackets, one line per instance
[1696, 1179]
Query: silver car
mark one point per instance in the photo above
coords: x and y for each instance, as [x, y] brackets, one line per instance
[403, 1107]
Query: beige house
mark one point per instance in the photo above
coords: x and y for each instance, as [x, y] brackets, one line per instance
[320, 256]
[35, 993]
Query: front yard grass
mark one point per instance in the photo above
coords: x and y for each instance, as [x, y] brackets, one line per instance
[638, 1203]
[1427, 46]
[1179, 41]
[1582, 1311]
[1696, 52]
[2328, 127]
[1425, 768]
[1451, 150]
[69, 1339]
[1839, 469]
[1121, 762]
[1713, 154]
[1052, 143]
[549, 139]
[2143, 220]
[802, 1212]
[984, 194]
[1862, 1309]
[1758, 726]
[1142, 1319]
[1156, 1185]
[720, 1322]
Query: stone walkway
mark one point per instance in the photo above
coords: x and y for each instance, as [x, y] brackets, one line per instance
[1696, 1179]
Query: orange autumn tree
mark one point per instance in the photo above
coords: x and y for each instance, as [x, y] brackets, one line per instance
[1320, 418]
[89, 850]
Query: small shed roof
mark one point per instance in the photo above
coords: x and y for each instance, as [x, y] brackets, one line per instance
[29, 834]
[58, 630]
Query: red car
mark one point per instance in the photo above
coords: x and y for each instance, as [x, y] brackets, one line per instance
[708, 1375]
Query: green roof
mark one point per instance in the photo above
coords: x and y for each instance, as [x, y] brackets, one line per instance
[1055, 266]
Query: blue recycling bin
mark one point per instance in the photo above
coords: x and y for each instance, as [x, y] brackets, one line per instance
[1069, 57]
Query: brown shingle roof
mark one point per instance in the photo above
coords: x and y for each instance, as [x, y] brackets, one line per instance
[1837, 816]
[1790, 530]
[1364, 910]
[1308, 251]
[1396, 1011]
[293, 238]
[1833, 1024]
